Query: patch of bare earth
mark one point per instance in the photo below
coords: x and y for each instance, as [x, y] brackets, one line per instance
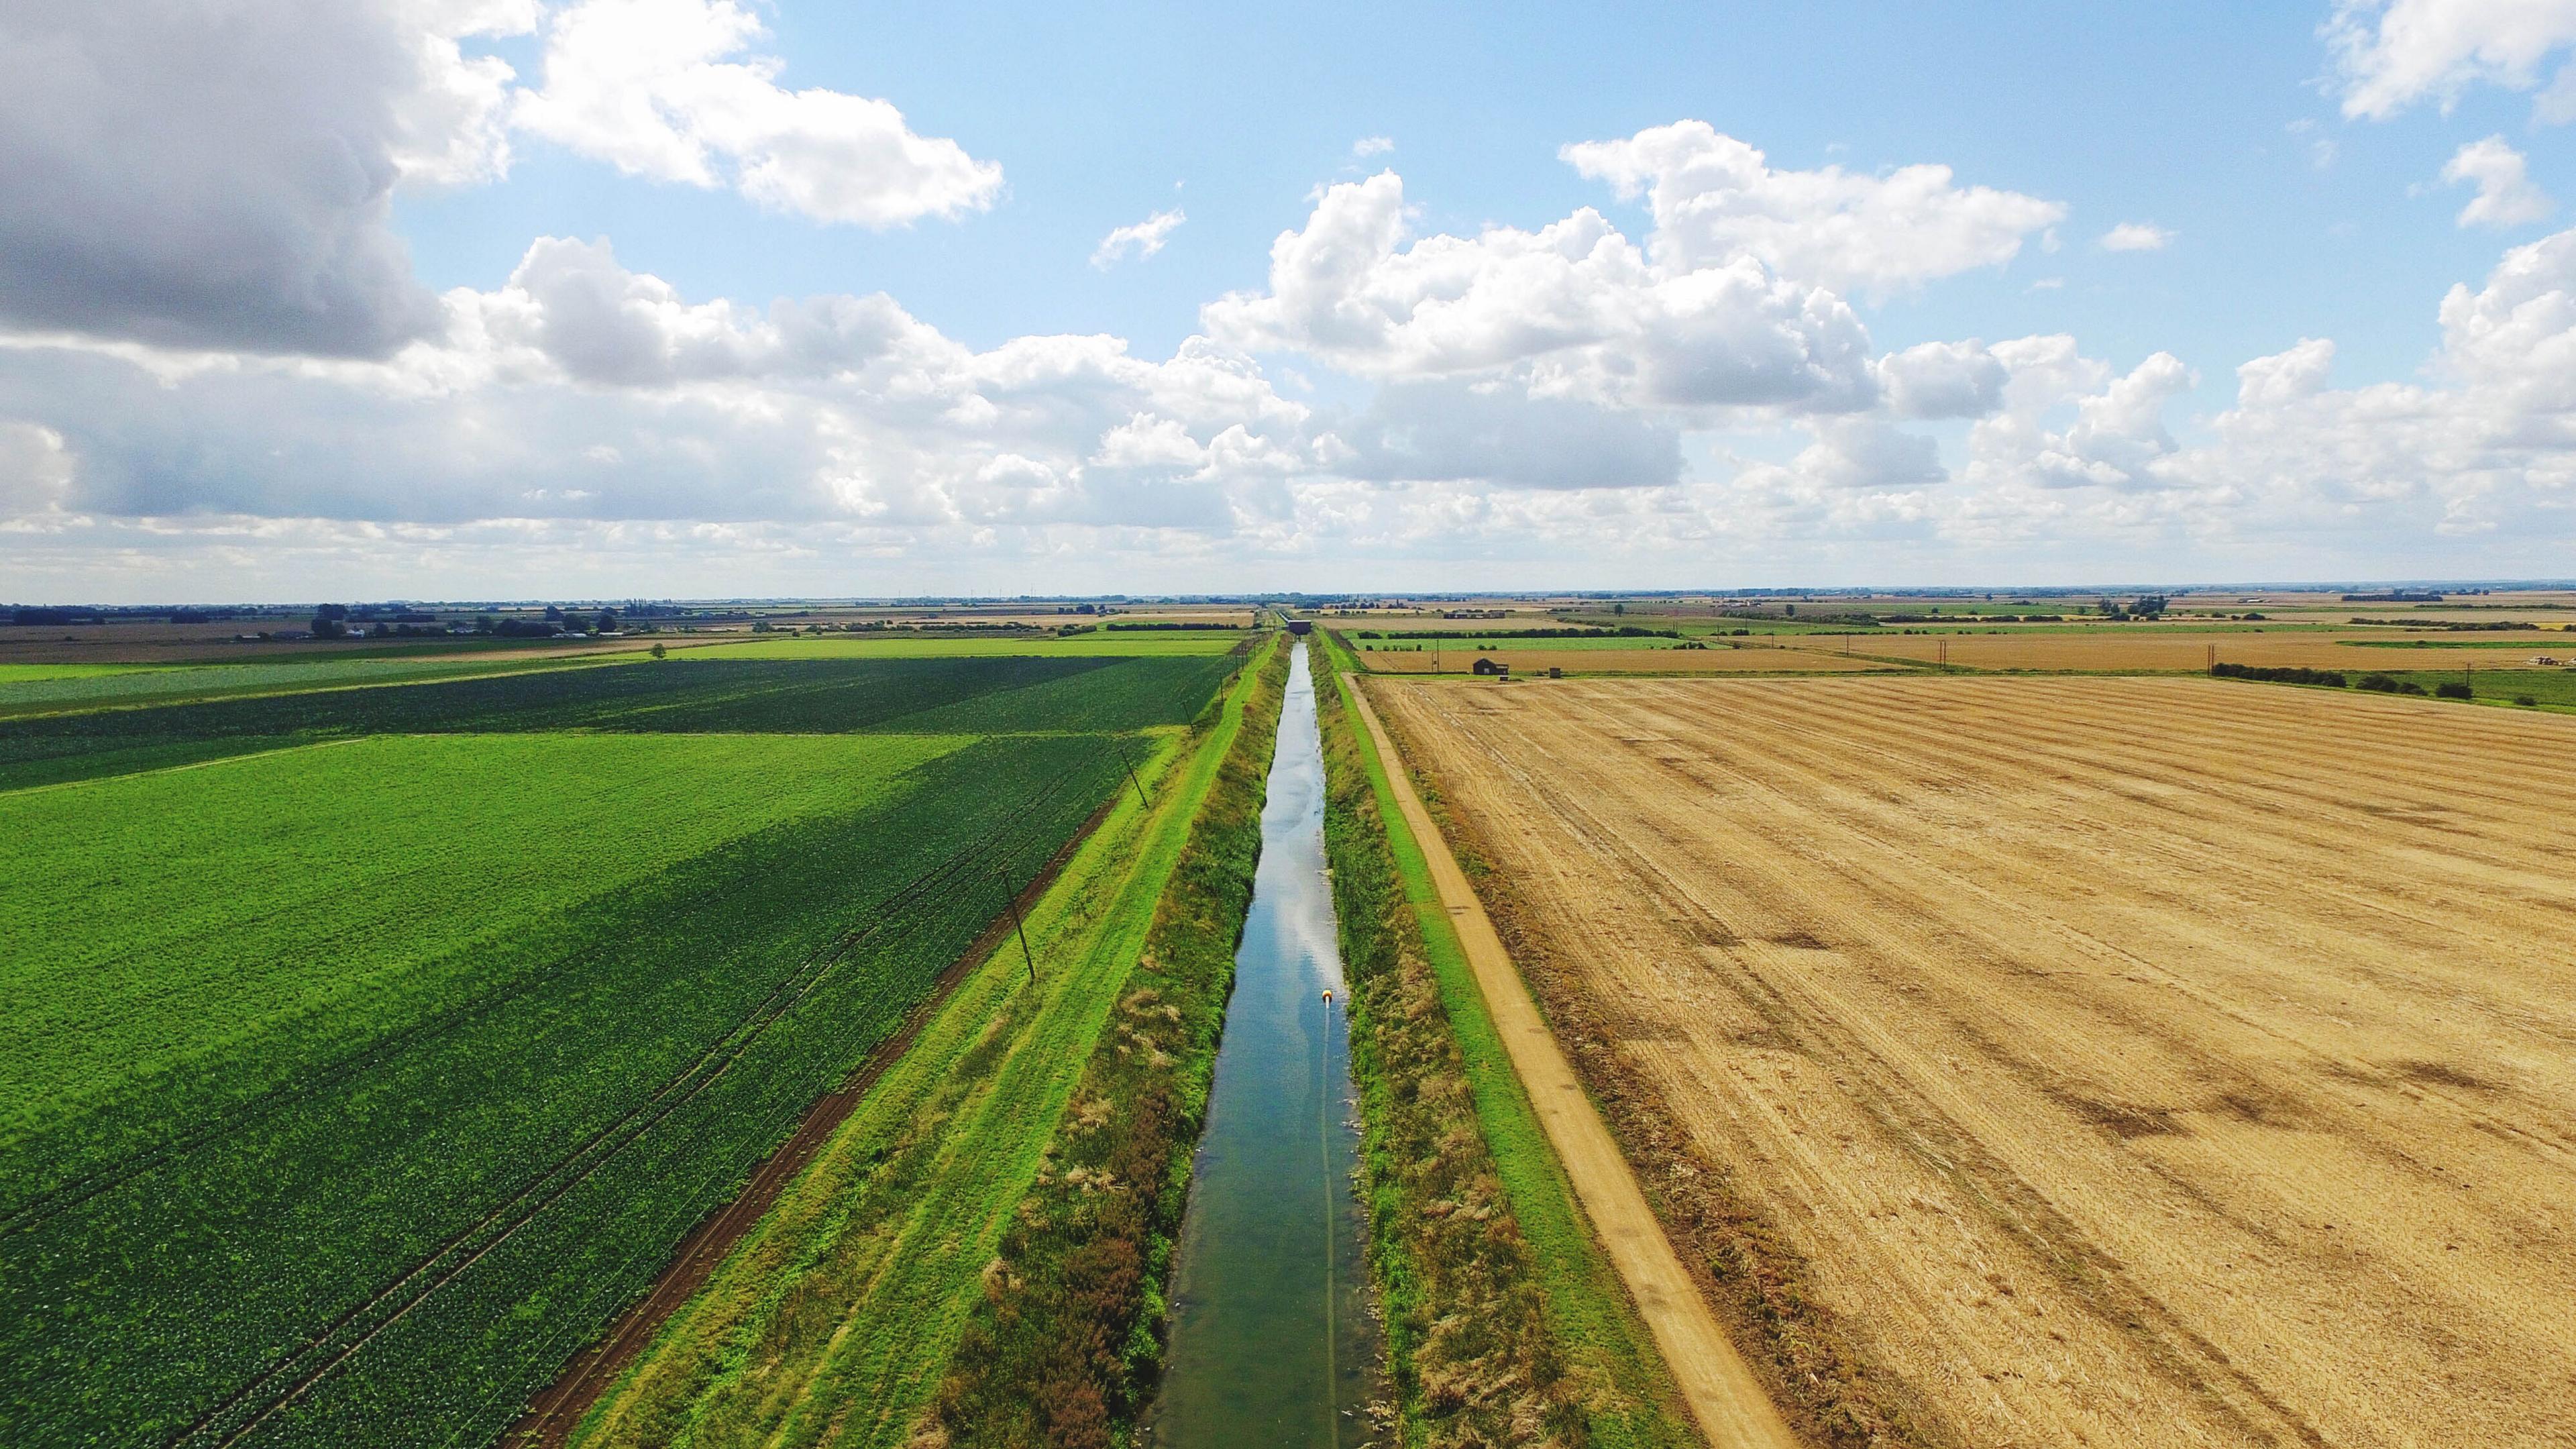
[2073, 1061]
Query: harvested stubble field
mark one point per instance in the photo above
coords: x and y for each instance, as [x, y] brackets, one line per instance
[2114, 1061]
[2043, 648]
[1763, 658]
[2162, 647]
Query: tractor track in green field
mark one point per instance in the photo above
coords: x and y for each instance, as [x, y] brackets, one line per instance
[224, 1424]
[46, 1205]
[552, 1413]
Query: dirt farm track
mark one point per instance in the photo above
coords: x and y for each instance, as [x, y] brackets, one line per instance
[2124, 1061]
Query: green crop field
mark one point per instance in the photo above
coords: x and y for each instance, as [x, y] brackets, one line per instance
[1121, 643]
[25, 673]
[57, 688]
[670, 697]
[352, 1085]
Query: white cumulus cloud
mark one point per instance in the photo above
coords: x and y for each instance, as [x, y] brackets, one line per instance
[2395, 53]
[2506, 194]
[2136, 236]
[665, 89]
[1137, 239]
[1715, 198]
[1574, 306]
[1367, 146]
[583, 390]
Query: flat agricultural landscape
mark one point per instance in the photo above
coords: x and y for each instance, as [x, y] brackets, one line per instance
[2117, 1061]
[369, 1046]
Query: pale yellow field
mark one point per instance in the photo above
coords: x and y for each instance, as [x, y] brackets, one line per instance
[2130, 1061]
[1715, 659]
[2165, 647]
[2159, 647]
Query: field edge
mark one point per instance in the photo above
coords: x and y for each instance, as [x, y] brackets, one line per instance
[1758, 1284]
[1070, 1333]
[982, 1086]
[1421, 1038]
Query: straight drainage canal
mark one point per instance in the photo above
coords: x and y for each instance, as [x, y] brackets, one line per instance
[1272, 1340]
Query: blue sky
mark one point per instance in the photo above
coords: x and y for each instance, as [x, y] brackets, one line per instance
[579, 282]
[2175, 113]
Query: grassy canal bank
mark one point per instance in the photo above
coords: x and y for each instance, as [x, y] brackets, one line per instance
[835, 1320]
[1505, 1323]
[1066, 1344]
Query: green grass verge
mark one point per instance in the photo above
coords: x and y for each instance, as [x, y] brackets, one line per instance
[1504, 1318]
[2549, 690]
[2553, 641]
[835, 1318]
[1066, 1345]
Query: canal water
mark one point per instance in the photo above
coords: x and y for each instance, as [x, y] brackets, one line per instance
[1272, 1342]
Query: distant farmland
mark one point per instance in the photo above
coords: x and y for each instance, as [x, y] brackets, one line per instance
[919, 696]
[355, 1078]
[2112, 1061]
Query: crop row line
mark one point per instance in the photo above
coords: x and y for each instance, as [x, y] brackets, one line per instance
[45, 1205]
[568, 1172]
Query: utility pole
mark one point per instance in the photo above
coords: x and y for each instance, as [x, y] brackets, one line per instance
[1018, 926]
[1141, 800]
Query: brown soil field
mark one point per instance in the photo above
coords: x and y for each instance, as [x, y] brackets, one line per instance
[2107, 1061]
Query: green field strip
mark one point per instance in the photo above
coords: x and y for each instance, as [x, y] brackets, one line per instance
[26, 673]
[1588, 1309]
[121, 686]
[2555, 641]
[922, 696]
[834, 1318]
[2549, 690]
[1141, 643]
[316, 882]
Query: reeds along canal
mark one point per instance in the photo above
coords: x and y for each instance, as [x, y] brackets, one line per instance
[1272, 1342]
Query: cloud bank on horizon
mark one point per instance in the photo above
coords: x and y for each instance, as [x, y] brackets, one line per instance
[220, 374]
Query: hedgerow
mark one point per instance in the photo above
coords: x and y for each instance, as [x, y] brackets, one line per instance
[2292, 674]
